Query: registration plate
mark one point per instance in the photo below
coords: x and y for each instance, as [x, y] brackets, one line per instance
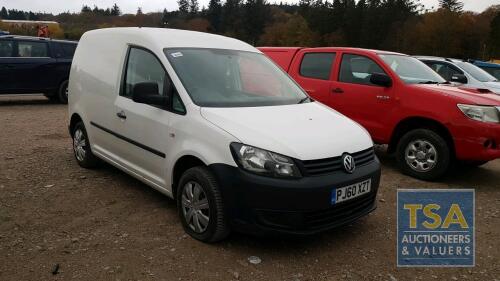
[349, 192]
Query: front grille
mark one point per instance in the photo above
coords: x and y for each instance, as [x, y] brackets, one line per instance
[339, 214]
[318, 220]
[334, 164]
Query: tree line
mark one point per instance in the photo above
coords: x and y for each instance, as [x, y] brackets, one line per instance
[397, 25]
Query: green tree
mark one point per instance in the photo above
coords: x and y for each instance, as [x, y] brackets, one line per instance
[292, 31]
[255, 16]
[193, 6]
[452, 5]
[115, 10]
[4, 14]
[183, 6]
[231, 18]
[214, 14]
[495, 37]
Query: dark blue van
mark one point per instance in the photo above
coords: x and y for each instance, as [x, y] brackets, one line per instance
[35, 65]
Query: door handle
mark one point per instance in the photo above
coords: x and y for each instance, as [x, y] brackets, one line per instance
[121, 115]
[337, 91]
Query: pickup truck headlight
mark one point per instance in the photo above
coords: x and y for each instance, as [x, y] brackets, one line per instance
[481, 113]
[264, 162]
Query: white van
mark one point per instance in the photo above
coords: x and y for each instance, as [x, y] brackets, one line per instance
[211, 122]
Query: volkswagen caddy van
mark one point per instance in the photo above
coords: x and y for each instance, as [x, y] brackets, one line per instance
[213, 123]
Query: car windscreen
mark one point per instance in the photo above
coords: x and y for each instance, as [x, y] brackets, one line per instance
[411, 70]
[230, 78]
[476, 72]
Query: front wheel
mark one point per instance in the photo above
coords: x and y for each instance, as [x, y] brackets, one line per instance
[423, 154]
[200, 206]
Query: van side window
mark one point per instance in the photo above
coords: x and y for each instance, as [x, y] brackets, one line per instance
[28, 49]
[6, 48]
[143, 66]
[317, 65]
[177, 104]
[358, 69]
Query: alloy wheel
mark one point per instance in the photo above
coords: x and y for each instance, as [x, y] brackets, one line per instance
[421, 155]
[79, 144]
[195, 207]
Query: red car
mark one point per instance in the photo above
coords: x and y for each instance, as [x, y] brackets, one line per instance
[426, 121]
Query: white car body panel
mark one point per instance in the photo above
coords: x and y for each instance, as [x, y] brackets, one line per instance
[493, 86]
[474, 83]
[304, 131]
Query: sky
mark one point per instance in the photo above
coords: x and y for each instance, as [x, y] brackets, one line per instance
[130, 6]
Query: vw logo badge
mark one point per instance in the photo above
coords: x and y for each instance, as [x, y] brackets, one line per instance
[349, 164]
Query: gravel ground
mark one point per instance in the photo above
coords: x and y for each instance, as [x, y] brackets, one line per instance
[105, 225]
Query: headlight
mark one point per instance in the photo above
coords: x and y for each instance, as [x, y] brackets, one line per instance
[481, 113]
[263, 162]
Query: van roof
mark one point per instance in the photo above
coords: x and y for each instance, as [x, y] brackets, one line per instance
[175, 38]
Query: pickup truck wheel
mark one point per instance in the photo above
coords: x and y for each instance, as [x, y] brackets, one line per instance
[200, 206]
[81, 148]
[423, 154]
[62, 93]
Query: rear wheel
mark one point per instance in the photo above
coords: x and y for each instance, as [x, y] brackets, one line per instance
[423, 154]
[62, 93]
[200, 206]
[81, 147]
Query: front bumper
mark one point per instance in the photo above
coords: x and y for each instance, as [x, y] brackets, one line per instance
[476, 141]
[263, 205]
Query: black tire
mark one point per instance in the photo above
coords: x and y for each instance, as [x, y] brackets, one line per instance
[217, 228]
[62, 93]
[442, 156]
[473, 164]
[88, 160]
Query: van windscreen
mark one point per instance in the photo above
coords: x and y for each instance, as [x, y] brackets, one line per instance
[229, 78]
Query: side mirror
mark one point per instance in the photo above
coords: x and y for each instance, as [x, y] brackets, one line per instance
[147, 93]
[380, 79]
[459, 78]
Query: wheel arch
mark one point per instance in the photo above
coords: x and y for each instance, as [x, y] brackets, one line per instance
[418, 122]
[182, 164]
[75, 119]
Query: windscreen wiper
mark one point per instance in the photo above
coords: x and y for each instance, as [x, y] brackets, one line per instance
[303, 100]
[428, 82]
